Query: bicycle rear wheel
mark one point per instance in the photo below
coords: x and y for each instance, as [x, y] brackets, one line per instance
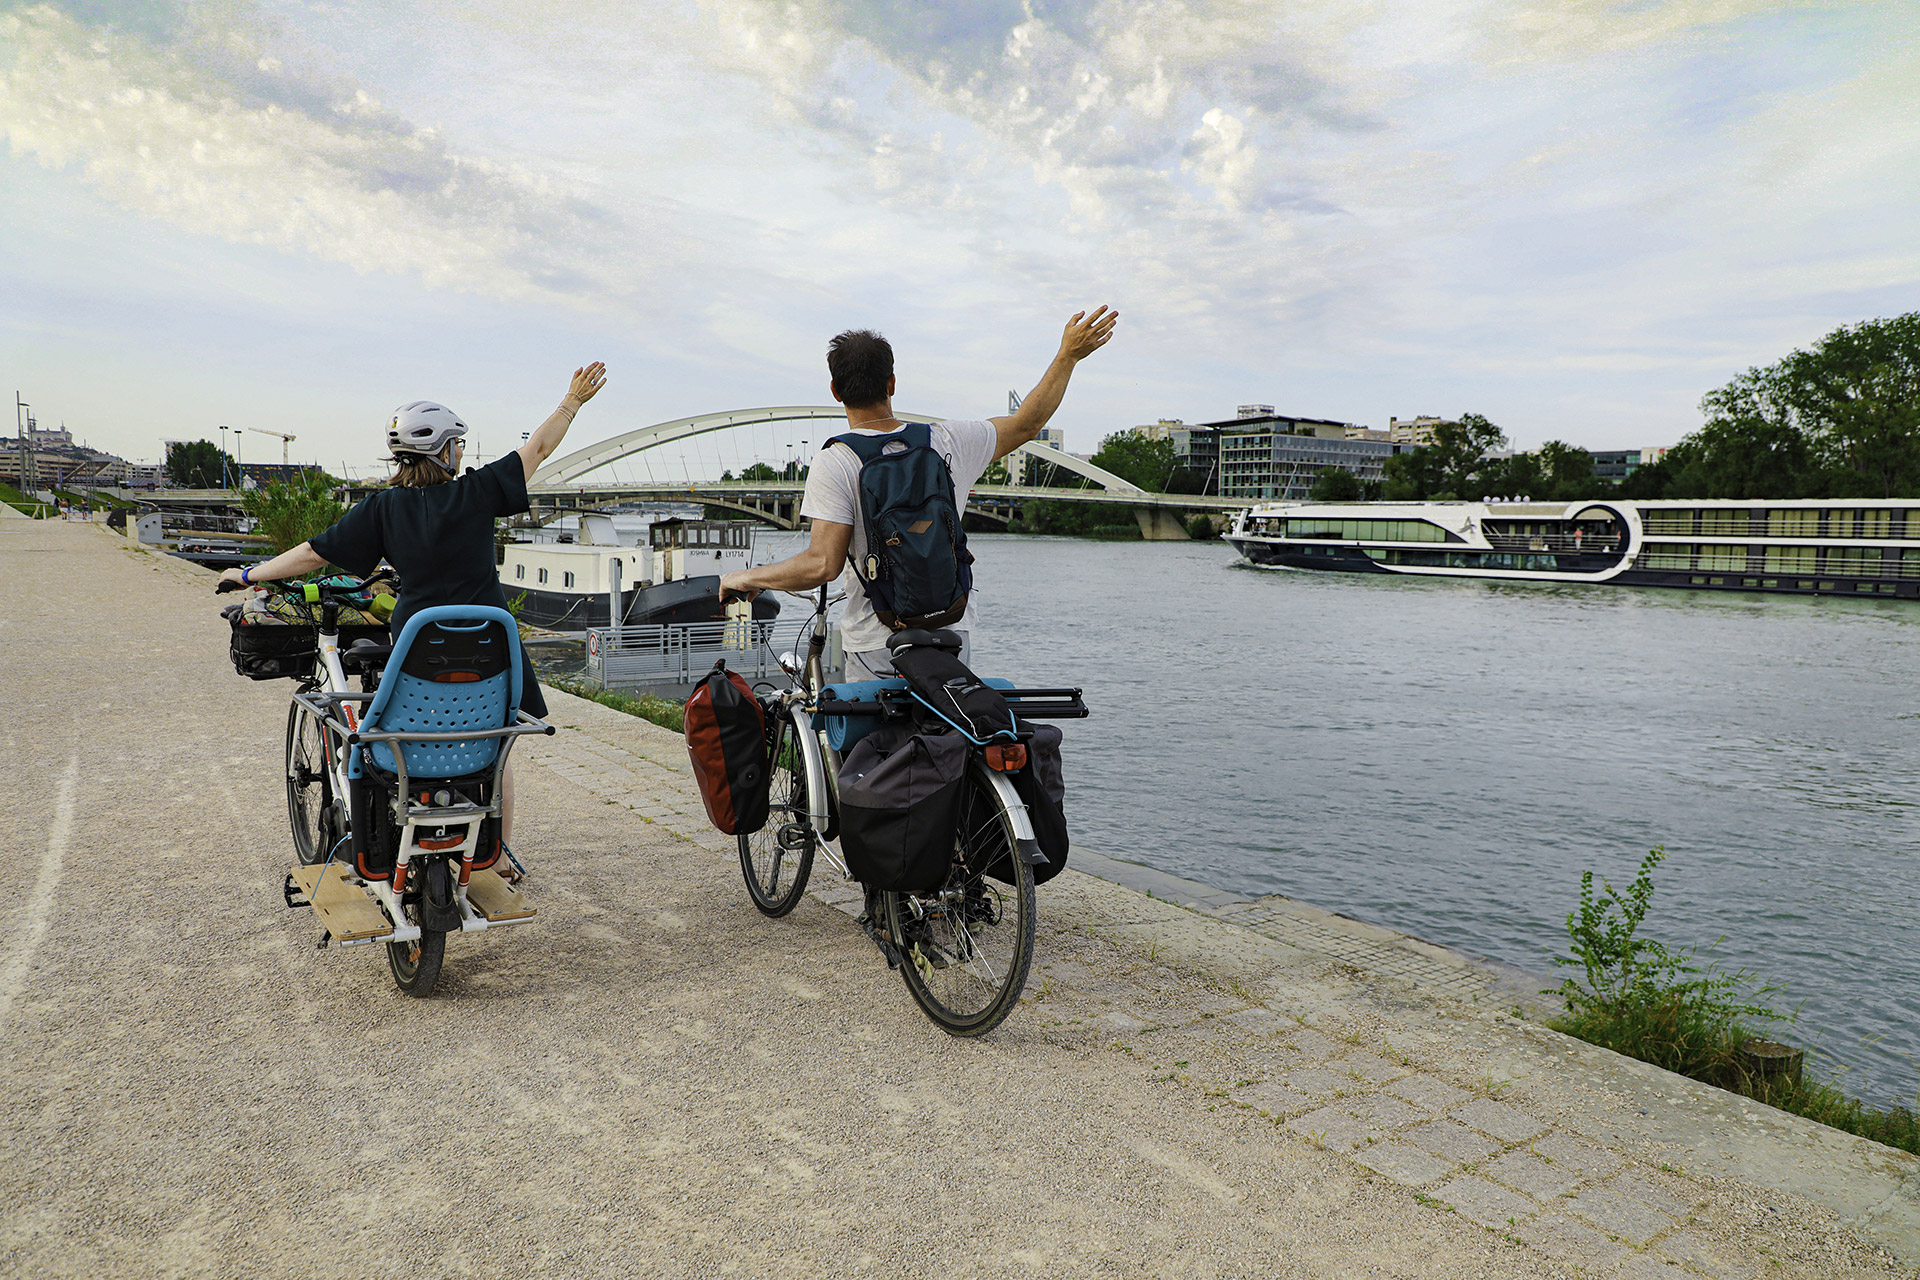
[777, 859]
[309, 786]
[969, 944]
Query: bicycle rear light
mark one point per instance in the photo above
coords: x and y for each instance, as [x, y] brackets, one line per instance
[1007, 757]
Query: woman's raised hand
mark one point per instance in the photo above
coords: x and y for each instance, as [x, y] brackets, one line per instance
[587, 382]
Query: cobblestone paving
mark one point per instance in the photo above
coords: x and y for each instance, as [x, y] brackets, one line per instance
[1456, 1145]
[653, 1079]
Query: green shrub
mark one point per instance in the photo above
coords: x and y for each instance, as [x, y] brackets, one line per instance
[290, 512]
[1646, 1001]
[1660, 1006]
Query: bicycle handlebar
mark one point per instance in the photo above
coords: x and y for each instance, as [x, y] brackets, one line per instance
[324, 589]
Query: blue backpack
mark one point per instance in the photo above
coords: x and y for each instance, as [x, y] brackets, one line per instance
[917, 571]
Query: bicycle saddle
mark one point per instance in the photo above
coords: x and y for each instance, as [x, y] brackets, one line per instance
[913, 636]
[368, 651]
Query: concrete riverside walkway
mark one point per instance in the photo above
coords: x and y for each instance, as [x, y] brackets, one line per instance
[652, 1079]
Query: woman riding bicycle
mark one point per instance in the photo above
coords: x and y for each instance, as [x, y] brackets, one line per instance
[435, 526]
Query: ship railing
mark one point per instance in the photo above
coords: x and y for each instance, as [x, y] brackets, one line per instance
[630, 657]
[1553, 542]
[1807, 566]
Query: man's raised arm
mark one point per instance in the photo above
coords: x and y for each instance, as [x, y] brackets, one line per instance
[1085, 335]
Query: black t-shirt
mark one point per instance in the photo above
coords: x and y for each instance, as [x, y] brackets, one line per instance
[439, 538]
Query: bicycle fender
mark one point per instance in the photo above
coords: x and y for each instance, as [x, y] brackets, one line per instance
[1023, 839]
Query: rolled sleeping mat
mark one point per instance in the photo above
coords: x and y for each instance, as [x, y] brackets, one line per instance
[843, 731]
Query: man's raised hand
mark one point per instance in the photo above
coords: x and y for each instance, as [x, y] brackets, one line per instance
[1086, 334]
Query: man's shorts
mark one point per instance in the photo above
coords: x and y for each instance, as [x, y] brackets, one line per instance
[877, 664]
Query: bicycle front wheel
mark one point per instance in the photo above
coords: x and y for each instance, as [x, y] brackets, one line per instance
[309, 786]
[777, 859]
[969, 944]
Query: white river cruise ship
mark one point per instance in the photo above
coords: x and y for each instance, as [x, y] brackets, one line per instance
[1849, 547]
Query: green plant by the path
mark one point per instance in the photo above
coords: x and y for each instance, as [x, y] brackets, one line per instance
[1896, 1127]
[290, 512]
[1665, 1007]
[658, 710]
[1670, 1008]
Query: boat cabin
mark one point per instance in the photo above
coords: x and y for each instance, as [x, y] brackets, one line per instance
[695, 548]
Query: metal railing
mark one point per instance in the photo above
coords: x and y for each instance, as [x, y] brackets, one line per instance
[1582, 542]
[625, 657]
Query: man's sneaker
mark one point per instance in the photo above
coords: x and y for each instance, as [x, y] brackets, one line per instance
[870, 923]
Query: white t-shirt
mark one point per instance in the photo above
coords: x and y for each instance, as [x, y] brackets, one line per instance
[833, 493]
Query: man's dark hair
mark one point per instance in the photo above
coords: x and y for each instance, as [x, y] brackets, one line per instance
[860, 361]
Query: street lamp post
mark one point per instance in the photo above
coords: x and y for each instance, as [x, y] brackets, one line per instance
[21, 419]
[223, 457]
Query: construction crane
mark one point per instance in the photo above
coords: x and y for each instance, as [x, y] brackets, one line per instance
[285, 440]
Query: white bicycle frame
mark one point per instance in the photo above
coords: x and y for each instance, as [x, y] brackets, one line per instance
[342, 732]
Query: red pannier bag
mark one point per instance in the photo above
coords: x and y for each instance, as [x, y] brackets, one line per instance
[727, 742]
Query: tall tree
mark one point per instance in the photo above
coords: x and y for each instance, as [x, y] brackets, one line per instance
[1567, 471]
[1450, 467]
[1337, 484]
[1137, 460]
[197, 464]
[1841, 418]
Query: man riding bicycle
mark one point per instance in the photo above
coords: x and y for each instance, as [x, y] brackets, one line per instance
[860, 364]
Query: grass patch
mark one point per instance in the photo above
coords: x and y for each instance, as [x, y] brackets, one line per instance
[1684, 1012]
[659, 711]
[20, 501]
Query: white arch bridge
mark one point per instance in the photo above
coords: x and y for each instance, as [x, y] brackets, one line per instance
[565, 483]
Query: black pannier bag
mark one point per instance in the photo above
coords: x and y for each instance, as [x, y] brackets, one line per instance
[726, 734]
[1043, 789]
[274, 651]
[900, 808]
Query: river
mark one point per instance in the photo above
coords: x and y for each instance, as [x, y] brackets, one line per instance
[1447, 757]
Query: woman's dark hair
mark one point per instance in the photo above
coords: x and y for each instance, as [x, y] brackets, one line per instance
[860, 362]
[418, 470]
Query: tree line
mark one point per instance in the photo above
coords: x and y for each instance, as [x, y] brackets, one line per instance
[1840, 419]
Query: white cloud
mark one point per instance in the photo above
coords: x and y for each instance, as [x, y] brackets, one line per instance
[211, 134]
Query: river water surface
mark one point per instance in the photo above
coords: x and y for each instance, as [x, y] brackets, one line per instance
[1447, 757]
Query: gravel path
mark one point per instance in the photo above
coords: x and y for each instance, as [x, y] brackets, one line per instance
[654, 1080]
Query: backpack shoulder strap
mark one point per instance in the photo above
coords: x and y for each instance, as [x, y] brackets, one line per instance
[867, 446]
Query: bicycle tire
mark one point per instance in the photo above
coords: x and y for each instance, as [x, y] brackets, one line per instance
[777, 859]
[416, 965]
[968, 946]
[309, 785]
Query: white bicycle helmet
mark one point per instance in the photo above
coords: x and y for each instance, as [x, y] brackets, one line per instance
[423, 427]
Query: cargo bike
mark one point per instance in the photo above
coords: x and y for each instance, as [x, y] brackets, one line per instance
[955, 912]
[394, 788]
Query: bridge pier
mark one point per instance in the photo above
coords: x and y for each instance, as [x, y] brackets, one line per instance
[1157, 524]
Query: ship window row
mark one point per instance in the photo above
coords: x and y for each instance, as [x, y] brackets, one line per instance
[1832, 522]
[1860, 562]
[1367, 530]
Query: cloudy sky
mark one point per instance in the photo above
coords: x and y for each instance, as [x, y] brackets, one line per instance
[1574, 216]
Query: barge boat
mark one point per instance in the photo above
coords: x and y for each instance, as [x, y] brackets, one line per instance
[674, 579]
